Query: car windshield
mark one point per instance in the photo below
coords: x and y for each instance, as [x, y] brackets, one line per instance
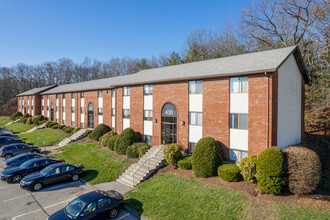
[45, 171]
[74, 208]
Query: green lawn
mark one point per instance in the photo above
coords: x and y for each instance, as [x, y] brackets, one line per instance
[50, 136]
[298, 212]
[4, 120]
[19, 127]
[101, 165]
[169, 196]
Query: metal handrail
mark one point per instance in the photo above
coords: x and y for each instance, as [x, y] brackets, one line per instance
[148, 160]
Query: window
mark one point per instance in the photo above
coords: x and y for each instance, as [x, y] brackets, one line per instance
[72, 123]
[72, 109]
[100, 111]
[112, 128]
[47, 107]
[112, 112]
[82, 125]
[239, 121]
[239, 84]
[72, 95]
[237, 155]
[56, 96]
[100, 93]
[148, 139]
[56, 120]
[82, 94]
[126, 113]
[191, 147]
[56, 108]
[195, 118]
[63, 109]
[47, 96]
[126, 91]
[103, 202]
[91, 207]
[113, 92]
[196, 87]
[147, 90]
[148, 115]
[82, 110]
[42, 107]
[63, 95]
[63, 121]
[45, 162]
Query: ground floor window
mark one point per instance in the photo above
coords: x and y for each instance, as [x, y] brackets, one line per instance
[63, 121]
[72, 123]
[126, 113]
[148, 115]
[56, 120]
[237, 155]
[148, 139]
[191, 147]
[112, 128]
[112, 112]
[100, 111]
[239, 121]
[82, 125]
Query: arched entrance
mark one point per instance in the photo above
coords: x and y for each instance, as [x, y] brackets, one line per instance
[169, 124]
[52, 112]
[90, 115]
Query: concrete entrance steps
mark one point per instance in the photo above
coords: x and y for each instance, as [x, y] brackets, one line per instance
[76, 136]
[35, 128]
[140, 171]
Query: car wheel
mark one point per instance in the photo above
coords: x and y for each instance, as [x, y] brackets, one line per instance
[113, 213]
[17, 178]
[8, 156]
[75, 178]
[37, 186]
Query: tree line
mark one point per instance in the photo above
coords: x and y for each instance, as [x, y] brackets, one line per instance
[262, 25]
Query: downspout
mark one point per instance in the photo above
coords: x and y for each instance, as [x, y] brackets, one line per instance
[267, 125]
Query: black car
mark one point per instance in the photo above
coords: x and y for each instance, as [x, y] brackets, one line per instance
[10, 150]
[94, 205]
[8, 134]
[19, 159]
[15, 174]
[9, 140]
[52, 174]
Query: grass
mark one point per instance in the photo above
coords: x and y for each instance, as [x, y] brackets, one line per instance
[19, 127]
[101, 165]
[298, 212]
[4, 120]
[169, 196]
[50, 136]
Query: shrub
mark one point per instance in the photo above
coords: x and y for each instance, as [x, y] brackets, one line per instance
[104, 139]
[15, 115]
[111, 142]
[50, 124]
[143, 149]
[68, 129]
[304, 171]
[172, 153]
[230, 173]
[270, 165]
[55, 123]
[29, 121]
[57, 126]
[87, 132]
[64, 127]
[185, 163]
[42, 122]
[206, 157]
[75, 130]
[133, 150]
[23, 120]
[99, 131]
[61, 126]
[36, 119]
[125, 139]
[47, 122]
[248, 168]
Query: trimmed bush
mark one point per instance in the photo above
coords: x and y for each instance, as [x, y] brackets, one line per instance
[61, 126]
[173, 153]
[125, 139]
[104, 139]
[42, 122]
[143, 149]
[50, 124]
[133, 150]
[15, 115]
[68, 129]
[54, 125]
[270, 165]
[75, 130]
[206, 157]
[99, 131]
[304, 171]
[29, 121]
[64, 127]
[36, 119]
[57, 126]
[23, 120]
[87, 132]
[230, 173]
[111, 142]
[248, 168]
[185, 163]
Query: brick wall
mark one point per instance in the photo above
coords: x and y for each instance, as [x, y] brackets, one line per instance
[37, 104]
[136, 109]
[107, 107]
[119, 110]
[91, 97]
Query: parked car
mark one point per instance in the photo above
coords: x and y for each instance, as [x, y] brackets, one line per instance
[19, 159]
[94, 205]
[52, 174]
[15, 174]
[3, 129]
[9, 140]
[8, 134]
[11, 150]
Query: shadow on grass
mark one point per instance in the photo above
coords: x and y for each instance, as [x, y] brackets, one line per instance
[90, 175]
[135, 205]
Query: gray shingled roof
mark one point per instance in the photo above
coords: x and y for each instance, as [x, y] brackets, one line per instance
[36, 90]
[269, 60]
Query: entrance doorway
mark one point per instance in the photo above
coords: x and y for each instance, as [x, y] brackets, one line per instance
[169, 124]
[52, 112]
[90, 115]
[25, 108]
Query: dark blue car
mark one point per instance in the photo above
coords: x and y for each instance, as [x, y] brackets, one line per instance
[11, 150]
[94, 205]
[15, 174]
[19, 159]
[9, 140]
[8, 134]
[52, 174]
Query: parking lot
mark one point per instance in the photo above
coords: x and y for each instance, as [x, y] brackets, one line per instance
[18, 204]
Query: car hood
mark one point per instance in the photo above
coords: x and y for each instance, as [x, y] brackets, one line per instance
[10, 171]
[32, 176]
[59, 215]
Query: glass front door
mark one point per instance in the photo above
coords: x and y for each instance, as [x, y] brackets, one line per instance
[90, 115]
[52, 112]
[169, 124]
